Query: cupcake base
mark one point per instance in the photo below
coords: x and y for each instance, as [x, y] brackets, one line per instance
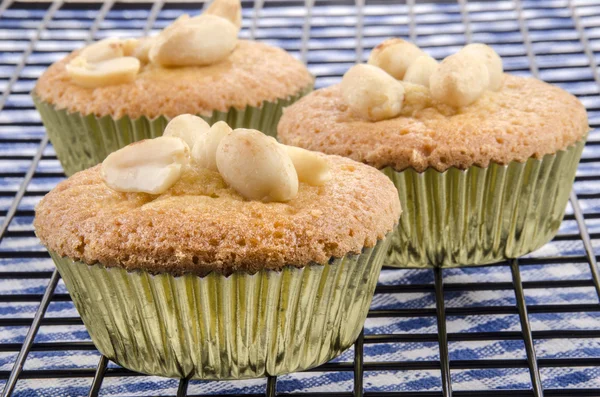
[479, 216]
[82, 141]
[217, 327]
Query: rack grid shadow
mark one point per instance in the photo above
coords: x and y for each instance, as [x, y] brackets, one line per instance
[530, 327]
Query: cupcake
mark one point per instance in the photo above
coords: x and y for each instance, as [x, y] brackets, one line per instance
[237, 258]
[484, 161]
[117, 91]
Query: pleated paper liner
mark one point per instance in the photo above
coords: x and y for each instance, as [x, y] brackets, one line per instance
[82, 141]
[481, 215]
[218, 327]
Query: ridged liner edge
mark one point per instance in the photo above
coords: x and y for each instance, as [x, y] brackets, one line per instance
[218, 327]
[480, 215]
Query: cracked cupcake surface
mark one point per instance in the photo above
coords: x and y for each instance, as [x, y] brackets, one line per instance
[526, 118]
[200, 225]
[252, 74]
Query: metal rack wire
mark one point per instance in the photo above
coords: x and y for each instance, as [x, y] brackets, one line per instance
[329, 36]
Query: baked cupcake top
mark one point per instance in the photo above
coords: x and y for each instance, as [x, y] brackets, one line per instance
[196, 65]
[208, 213]
[460, 113]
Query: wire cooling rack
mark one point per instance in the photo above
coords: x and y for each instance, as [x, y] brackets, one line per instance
[530, 327]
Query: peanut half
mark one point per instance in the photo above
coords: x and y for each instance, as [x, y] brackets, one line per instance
[106, 62]
[311, 168]
[188, 127]
[416, 97]
[141, 48]
[112, 71]
[204, 152]
[148, 166]
[103, 50]
[395, 56]
[459, 80]
[421, 70]
[206, 40]
[492, 61]
[372, 93]
[228, 9]
[257, 167]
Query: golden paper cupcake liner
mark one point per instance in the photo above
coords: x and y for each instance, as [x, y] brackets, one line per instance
[481, 215]
[217, 327]
[82, 141]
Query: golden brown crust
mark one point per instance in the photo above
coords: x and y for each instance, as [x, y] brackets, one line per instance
[201, 225]
[252, 74]
[526, 118]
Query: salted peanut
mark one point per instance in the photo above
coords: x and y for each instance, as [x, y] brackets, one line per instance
[180, 21]
[310, 167]
[188, 127]
[148, 166]
[420, 70]
[371, 93]
[142, 50]
[395, 56]
[138, 48]
[129, 46]
[492, 61]
[204, 152]
[103, 73]
[257, 167]
[459, 80]
[416, 97]
[206, 41]
[228, 9]
[103, 50]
